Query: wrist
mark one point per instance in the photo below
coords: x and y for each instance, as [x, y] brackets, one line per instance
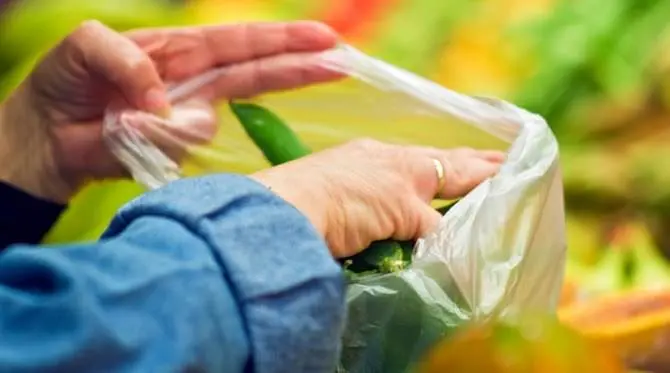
[26, 156]
[296, 194]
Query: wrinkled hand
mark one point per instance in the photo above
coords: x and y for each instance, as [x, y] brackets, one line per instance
[366, 191]
[50, 128]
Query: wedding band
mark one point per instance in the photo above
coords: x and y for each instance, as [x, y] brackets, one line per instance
[441, 181]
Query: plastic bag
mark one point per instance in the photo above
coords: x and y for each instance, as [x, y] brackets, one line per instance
[498, 251]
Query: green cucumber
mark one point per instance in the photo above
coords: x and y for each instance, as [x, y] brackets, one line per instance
[385, 256]
[280, 144]
[271, 135]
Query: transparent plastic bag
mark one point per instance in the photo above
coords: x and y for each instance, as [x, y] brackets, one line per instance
[498, 251]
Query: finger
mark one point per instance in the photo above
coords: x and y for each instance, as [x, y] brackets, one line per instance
[101, 51]
[464, 174]
[185, 52]
[462, 169]
[492, 155]
[190, 123]
[426, 176]
[270, 74]
[489, 155]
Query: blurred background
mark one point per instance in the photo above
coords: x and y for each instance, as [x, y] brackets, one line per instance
[597, 70]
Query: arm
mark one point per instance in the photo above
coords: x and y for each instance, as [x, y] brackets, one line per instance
[25, 215]
[211, 274]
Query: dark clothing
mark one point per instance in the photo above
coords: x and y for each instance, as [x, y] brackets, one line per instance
[24, 218]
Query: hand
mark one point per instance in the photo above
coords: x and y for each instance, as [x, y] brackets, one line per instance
[50, 128]
[366, 191]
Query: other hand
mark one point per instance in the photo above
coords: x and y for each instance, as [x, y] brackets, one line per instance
[366, 190]
[51, 127]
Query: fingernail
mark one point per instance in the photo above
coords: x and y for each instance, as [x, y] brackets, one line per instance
[157, 102]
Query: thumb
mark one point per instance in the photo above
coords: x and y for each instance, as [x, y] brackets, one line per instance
[191, 123]
[106, 53]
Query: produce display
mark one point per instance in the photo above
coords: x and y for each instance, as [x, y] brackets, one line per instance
[622, 300]
[536, 345]
[634, 324]
[597, 70]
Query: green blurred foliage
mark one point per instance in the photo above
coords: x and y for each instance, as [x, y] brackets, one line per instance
[28, 28]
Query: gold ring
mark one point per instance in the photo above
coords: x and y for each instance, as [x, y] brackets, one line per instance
[441, 181]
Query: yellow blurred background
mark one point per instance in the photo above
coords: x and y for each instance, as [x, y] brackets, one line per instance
[597, 70]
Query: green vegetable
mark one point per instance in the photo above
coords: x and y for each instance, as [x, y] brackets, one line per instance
[280, 144]
[271, 135]
[381, 257]
[385, 256]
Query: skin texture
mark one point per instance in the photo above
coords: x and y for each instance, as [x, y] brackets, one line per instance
[51, 131]
[57, 111]
[366, 190]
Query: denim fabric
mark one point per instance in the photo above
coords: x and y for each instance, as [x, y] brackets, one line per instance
[215, 274]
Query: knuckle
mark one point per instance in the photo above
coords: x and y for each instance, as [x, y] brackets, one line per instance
[138, 64]
[83, 38]
[90, 24]
[366, 144]
[132, 65]
[85, 30]
[403, 160]
[464, 151]
[457, 176]
[400, 185]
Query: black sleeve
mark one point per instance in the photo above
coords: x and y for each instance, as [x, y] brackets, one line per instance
[23, 217]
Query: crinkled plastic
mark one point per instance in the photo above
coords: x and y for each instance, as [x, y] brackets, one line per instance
[499, 251]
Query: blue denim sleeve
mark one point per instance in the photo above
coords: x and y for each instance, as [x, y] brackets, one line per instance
[215, 274]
